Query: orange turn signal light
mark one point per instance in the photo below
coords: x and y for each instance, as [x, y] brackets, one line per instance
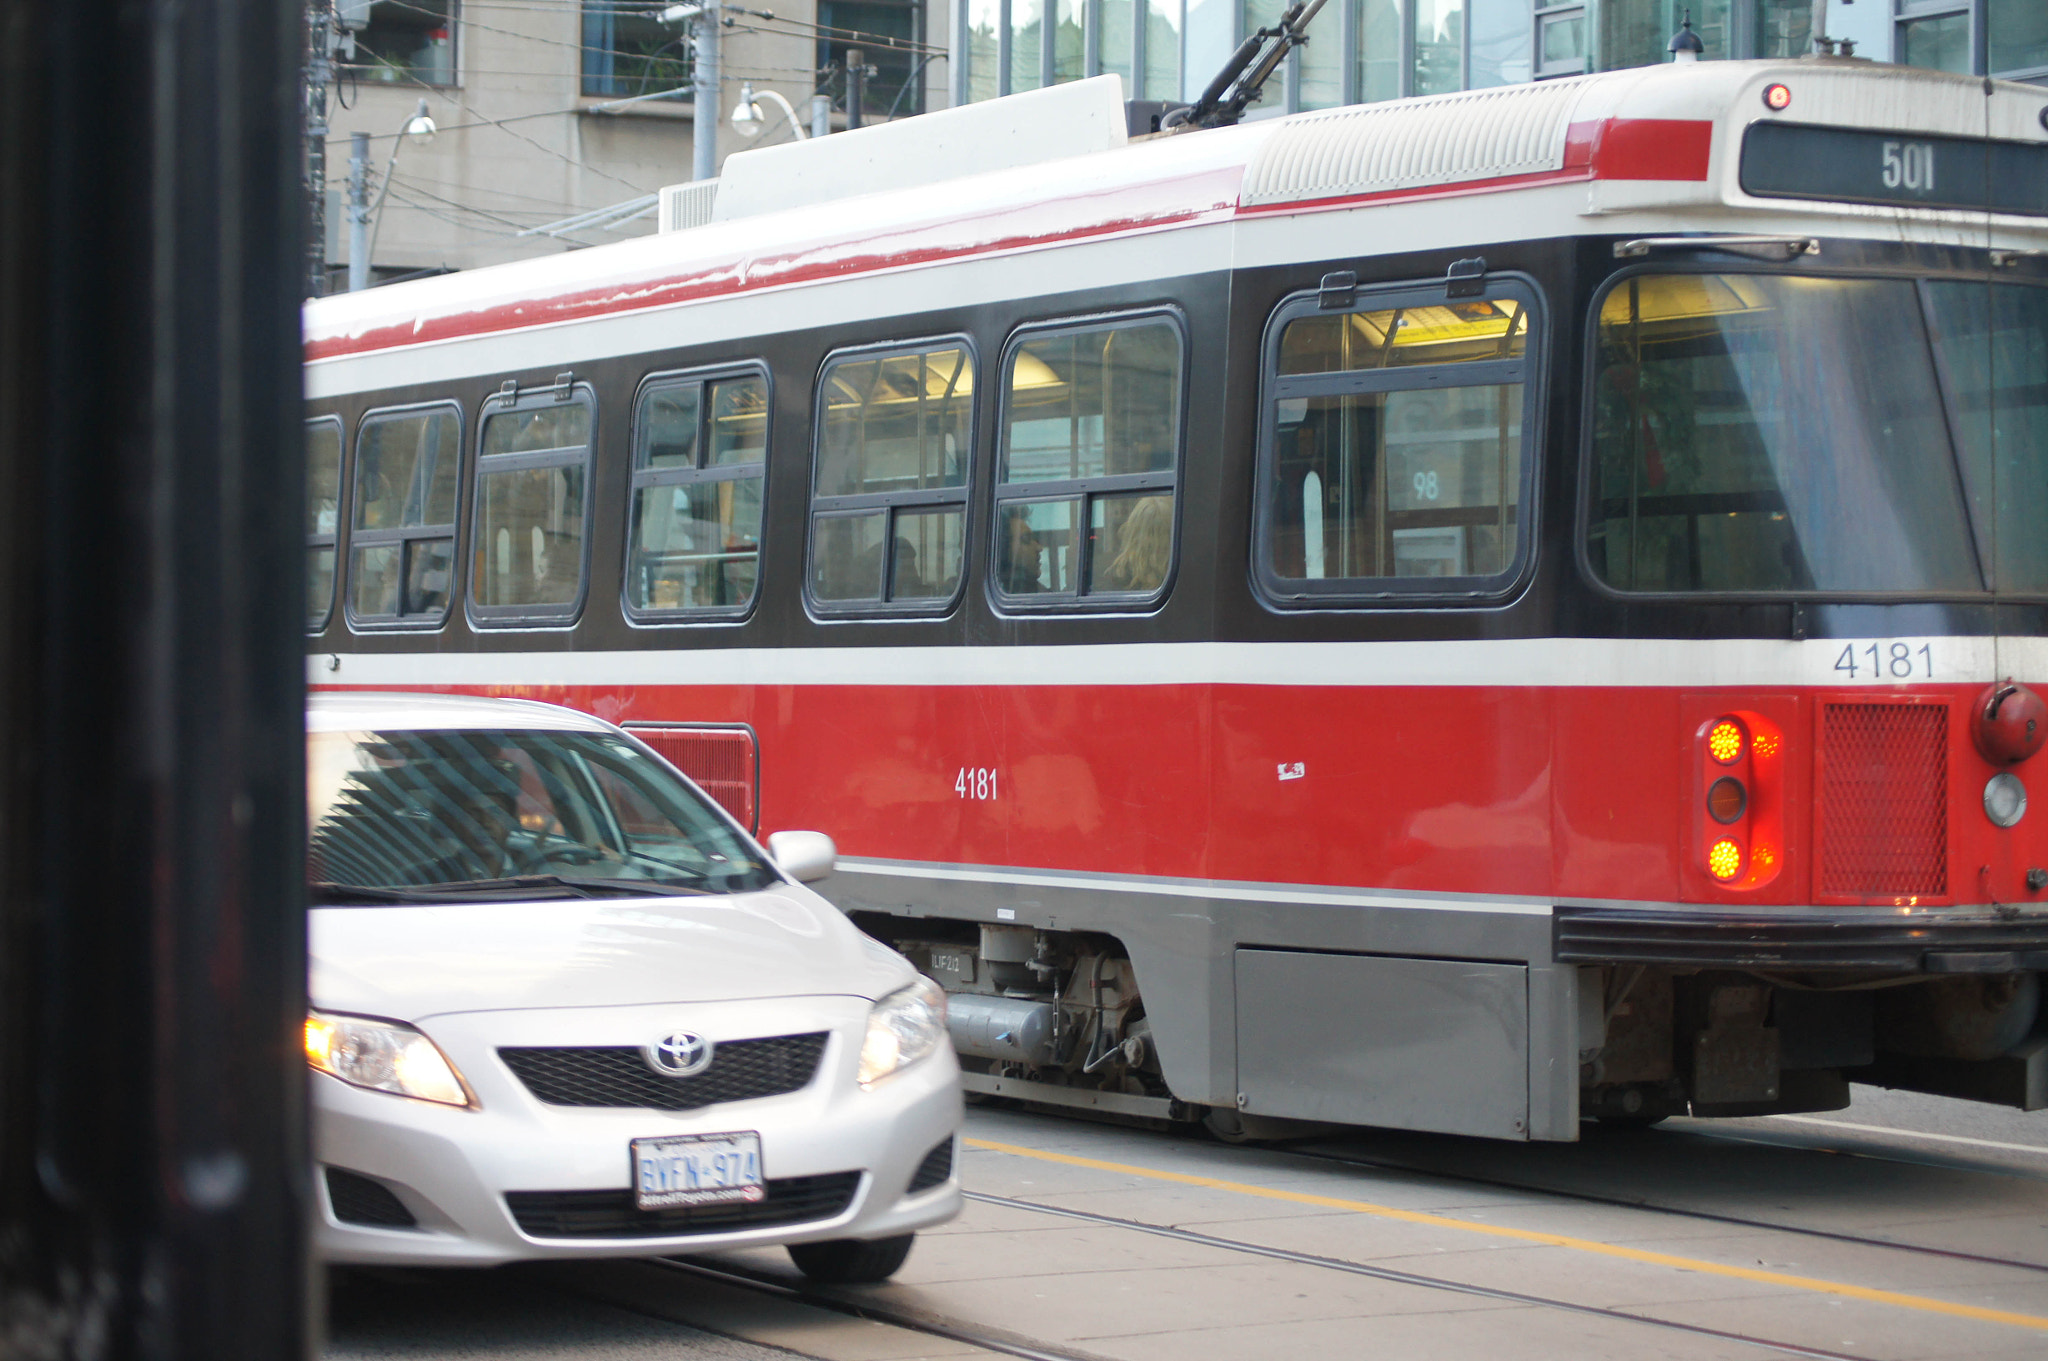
[1724, 862]
[1725, 742]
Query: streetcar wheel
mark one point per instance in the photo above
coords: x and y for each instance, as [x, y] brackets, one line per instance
[849, 1261]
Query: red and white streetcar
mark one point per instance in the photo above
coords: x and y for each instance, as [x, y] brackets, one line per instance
[1460, 614]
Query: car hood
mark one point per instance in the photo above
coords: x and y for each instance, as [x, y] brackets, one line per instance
[410, 962]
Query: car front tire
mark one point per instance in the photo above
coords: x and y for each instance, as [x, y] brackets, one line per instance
[849, 1261]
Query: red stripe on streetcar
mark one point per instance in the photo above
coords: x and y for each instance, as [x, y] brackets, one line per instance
[1113, 212]
[1641, 148]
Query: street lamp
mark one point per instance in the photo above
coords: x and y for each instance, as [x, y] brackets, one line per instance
[364, 223]
[747, 119]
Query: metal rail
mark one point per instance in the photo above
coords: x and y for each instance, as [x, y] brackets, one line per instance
[1404, 1277]
[1624, 1203]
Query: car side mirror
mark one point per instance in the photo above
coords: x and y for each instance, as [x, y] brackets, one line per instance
[804, 856]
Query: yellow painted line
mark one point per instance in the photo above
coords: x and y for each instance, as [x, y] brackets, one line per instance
[1551, 1240]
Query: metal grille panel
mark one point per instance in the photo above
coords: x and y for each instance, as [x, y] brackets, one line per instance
[612, 1214]
[1884, 801]
[618, 1077]
[358, 1200]
[723, 761]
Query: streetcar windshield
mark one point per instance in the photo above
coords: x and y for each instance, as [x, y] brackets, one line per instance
[1758, 432]
[435, 814]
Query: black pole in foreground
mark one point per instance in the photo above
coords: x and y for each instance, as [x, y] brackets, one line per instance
[153, 1175]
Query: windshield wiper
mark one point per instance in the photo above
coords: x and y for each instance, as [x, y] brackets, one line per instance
[516, 888]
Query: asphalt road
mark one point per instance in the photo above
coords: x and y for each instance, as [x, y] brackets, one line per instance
[1929, 1174]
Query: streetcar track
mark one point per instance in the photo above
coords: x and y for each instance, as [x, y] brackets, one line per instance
[1409, 1278]
[954, 1330]
[1624, 1203]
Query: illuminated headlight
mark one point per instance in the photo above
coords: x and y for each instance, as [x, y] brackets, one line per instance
[907, 1025]
[2005, 798]
[383, 1056]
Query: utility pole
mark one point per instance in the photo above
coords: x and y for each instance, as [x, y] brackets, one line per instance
[856, 75]
[705, 114]
[320, 44]
[358, 211]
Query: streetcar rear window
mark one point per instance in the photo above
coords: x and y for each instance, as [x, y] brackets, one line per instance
[1758, 432]
[1395, 446]
[889, 489]
[1993, 343]
[700, 448]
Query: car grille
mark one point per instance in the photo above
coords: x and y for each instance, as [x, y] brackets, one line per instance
[358, 1200]
[740, 1070]
[936, 1167]
[612, 1214]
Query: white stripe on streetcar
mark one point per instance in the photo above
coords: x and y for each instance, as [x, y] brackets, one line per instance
[1569, 663]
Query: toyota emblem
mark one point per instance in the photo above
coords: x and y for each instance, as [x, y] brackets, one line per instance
[679, 1054]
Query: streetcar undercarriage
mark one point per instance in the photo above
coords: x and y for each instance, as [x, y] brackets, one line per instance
[1059, 1018]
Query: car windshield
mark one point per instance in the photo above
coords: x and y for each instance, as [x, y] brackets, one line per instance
[1758, 432]
[398, 816]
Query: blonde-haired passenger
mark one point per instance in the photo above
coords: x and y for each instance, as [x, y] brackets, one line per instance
[1144, 547]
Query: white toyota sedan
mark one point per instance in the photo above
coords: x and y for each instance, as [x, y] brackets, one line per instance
[563, 1006]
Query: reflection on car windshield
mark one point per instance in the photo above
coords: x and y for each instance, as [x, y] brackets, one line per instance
[471, 808]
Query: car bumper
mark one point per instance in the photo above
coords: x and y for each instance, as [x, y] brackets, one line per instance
[514, 1178]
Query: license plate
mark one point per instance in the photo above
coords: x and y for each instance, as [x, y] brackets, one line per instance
[697, 1169]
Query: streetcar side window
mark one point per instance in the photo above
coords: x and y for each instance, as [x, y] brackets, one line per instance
[700, 449]
[889, 478]
[530, 549]
[1394, 450]
[1757, 432]
[1089, 463]
[323, 517]
[402, 534]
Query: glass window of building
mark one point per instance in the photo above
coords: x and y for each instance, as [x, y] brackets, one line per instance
[700, 449]
[628, 51]
[889, 481]
[890, 36]
[400, 42]
[532, 506]
[2016, 37]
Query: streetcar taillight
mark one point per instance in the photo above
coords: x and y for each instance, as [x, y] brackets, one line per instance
[1725, 741]
[1727, 800]
[1738, 822]
[1777, 98]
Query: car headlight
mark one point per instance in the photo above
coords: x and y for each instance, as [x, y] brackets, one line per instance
[383, 1056]
[907, 1025]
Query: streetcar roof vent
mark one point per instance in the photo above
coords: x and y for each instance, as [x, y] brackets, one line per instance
[1380, 148]
[1052, 124]
[684, 206]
